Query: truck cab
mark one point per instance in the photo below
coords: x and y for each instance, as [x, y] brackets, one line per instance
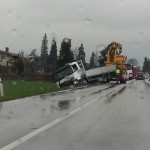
[70, 74]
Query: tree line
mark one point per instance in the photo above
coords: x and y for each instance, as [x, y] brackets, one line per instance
[50, 59]
[146, 65]
[54, 60]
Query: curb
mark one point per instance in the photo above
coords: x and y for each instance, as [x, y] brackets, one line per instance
[63, 91]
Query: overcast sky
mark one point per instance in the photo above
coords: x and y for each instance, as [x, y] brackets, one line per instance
[91, 22]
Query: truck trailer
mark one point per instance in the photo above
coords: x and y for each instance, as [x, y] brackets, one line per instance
[74, 73]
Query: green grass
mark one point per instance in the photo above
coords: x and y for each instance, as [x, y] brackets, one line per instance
[20, 88]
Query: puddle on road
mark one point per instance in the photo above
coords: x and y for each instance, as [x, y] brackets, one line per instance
[43, 97]
[65, 104]
[58, 108]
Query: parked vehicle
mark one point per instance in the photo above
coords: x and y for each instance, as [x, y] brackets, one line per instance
[134, 71]
[129, 71]
[140, 75]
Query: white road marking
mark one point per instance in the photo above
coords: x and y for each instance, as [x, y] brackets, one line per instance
[51, 124]
[74, 111]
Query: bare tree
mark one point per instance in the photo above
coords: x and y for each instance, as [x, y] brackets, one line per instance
[133, 61]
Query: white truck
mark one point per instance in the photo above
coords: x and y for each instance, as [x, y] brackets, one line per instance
[74, 73]
[129, 71]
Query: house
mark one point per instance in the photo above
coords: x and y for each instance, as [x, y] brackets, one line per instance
[7, 58]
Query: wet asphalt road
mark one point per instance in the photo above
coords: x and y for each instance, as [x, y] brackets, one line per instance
[21, 117]
[119, 122]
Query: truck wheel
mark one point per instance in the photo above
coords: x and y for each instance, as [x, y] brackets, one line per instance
[123, 81]
[104, 79]
[107, 80]
[84, 81]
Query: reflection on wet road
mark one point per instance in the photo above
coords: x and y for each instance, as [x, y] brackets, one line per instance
[120, 124]
[20, 117]
[116, 121]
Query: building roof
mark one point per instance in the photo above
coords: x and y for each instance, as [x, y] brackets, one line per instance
[8, 53]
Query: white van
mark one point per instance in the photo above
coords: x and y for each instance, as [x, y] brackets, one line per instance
[129, 72]
[129, 75]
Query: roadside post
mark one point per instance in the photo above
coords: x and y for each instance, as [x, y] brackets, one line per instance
[1, 88]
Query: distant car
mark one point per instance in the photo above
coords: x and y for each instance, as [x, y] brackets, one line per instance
[140, 76]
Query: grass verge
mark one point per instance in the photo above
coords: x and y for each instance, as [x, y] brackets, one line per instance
[20, 88]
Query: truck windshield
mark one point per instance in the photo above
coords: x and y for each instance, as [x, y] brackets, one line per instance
[129, 66]
[75, 68]
[62, 73]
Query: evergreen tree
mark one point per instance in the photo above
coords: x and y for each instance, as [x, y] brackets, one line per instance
[146, 65]
[44, 50]
[33, 53]
[92, 64]
[19, 64]
[53, 52]
[81, 55]
[65, 53]
[149, 65]
[103, 54]
[53, 56]
[75, 53]
[33, 61]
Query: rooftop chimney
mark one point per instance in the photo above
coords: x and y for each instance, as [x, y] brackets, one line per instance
[7, 49]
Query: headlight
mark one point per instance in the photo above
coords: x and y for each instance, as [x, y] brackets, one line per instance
[75, 82]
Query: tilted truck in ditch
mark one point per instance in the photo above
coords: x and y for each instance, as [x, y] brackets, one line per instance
[74, 72]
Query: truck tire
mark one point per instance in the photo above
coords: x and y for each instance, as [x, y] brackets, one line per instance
[84, 81]
[123, 81]
[105, 79]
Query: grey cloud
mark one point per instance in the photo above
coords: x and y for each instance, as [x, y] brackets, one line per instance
[92, 22]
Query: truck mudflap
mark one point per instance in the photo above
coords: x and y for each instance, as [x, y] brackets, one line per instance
[123, 78]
